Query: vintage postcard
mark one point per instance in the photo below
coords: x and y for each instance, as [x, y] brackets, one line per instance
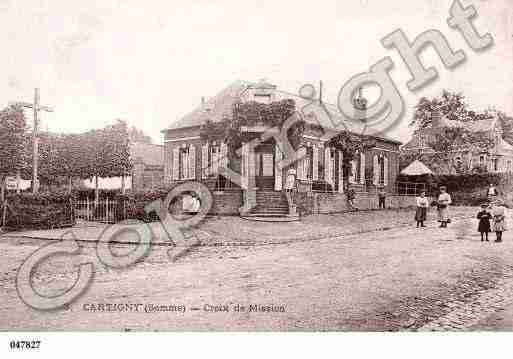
[250, 166]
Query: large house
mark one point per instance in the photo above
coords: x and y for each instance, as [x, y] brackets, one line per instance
[499, 158]
[189, 156]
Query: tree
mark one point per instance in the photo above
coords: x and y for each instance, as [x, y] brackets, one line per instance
[13, 137]
[138, 135]
[350, 144]
[97, 153]
[450, 104]
[108, 152]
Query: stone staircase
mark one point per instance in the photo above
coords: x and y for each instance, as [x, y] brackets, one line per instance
[270, 206]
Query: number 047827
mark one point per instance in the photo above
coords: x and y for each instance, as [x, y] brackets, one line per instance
[24, 344]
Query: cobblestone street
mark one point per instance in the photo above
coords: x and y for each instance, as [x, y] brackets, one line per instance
[397, 278]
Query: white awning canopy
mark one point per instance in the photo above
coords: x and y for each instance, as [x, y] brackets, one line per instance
[416, 168]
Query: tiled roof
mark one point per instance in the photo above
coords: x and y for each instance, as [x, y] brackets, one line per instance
[149, 153]
[327, 115]
[215, 109]
[474, 126]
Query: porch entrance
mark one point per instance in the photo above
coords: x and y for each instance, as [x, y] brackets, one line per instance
[264, 166]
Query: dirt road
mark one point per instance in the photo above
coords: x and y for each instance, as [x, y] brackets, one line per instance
[398, 279]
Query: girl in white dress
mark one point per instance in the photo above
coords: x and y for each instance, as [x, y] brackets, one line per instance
[444, 200]
[499, 220]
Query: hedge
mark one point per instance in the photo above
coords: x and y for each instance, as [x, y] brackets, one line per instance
[38, 211]
[134, 203]
[466, 189]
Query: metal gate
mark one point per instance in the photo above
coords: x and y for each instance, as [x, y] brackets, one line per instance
[105, 211]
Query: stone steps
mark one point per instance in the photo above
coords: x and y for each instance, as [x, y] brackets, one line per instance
[270, 204]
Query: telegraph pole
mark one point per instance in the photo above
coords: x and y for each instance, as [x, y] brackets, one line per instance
[36, 107]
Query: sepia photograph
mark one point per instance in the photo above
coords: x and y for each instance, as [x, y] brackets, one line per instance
[255, 166]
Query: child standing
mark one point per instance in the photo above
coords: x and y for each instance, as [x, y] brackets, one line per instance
[484, 222]
[499, 220]
[422, 205]
[444, 200]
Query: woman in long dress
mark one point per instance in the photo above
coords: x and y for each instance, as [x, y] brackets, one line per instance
[444, 200]
[421, 212]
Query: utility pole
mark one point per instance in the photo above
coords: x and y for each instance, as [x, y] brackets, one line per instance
[36, 107]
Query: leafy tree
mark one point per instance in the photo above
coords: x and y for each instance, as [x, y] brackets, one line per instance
[97, 153]
[138, 135]
[350, 144]
[450, 104]
[13, 138]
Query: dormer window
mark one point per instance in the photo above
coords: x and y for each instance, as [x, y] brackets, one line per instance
[262, 97]
[261, 92]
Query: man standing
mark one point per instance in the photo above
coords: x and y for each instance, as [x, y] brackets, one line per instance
[382, 195]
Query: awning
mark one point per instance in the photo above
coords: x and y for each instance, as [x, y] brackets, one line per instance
[416, 168]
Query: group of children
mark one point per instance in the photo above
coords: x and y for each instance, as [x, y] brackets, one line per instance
[491, 220]
[491, 217]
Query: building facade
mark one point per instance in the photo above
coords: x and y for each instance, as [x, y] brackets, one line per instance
[148, 166]
[497, 159]
[188, 156]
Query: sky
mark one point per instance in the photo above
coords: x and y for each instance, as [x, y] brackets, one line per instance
[151, 62]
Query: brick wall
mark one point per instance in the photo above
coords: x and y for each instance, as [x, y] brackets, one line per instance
[313, 203]
[226, 202]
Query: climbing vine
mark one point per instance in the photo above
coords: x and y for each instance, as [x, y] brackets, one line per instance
[253, 113]
[350, 144]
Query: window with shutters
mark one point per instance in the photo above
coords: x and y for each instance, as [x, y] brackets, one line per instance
[214, 157]
[309, 163]
[332, 165]
[183, 163]
[318, 167]
[358, 165]
[381, 166]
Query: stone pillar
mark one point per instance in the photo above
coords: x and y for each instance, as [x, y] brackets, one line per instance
[278, 171]
[248, 178]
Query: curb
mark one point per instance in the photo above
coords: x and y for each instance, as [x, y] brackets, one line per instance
[271, 241]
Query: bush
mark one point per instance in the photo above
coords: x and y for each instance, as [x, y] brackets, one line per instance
[39, 211]
[133, 204]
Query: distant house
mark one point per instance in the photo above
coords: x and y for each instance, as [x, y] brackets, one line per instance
[148, 165]
[497, 159]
